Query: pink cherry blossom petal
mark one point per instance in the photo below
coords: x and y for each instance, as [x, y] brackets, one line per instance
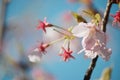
[80, 30]
[90, 54]
[88, 42]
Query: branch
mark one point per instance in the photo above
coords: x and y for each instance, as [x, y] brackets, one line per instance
[106, 15]
[4, 5]
[104, 21]
[90, 69]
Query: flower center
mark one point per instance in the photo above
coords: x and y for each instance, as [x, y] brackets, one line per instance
[69, 34]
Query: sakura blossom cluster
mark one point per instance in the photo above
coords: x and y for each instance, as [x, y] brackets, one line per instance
[93, 41]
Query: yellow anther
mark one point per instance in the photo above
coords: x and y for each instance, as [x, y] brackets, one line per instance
[70, 29]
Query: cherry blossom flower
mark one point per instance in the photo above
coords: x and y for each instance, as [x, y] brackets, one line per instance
[97, 49]
[36, 54]
[43, 25]
[42, 47]
[105, 52]
[93, 40]
[81, 30]
[116, 18]
[66, 54]
[100, 50]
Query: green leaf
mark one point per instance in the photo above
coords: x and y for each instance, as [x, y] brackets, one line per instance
[97, 17]
[106, 74]
[89, 13]
[78, 17]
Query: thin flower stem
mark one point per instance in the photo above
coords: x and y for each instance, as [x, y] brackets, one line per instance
[60, 39]
[104, 21]
[67, 34]
[80, 51]
[68, 45]
[59, 31]
[64, 44]
[59, 27]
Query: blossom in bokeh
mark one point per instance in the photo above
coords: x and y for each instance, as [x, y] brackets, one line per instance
[43, 25]
[116, 18]
[88, 2]
[83, 1]
[66, 54]
[73, 1]
[67, 17]
[39, 74]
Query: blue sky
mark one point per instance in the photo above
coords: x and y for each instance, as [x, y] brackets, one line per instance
[74, 69]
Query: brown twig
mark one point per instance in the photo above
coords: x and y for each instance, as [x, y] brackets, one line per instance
[90, 69]
[106, 15]
[104, 21]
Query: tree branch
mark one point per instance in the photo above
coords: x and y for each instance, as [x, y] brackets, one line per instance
[4, 4]
[90, 69]
[104, 23]
[106, 15]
